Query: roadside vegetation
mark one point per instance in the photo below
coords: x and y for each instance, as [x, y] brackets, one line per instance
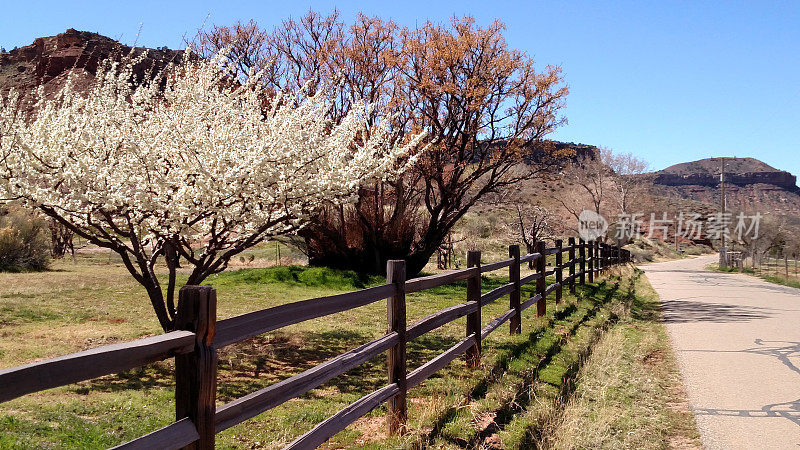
[656, 250]
[629, 393]
[516, 398]
[773, 277]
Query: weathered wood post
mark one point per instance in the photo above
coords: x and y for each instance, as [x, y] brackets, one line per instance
[196, 372]
[603, 257]
[582, 257]
[786, 265]
[514, 297]
[559, 270]
[606, 247]
[474, 318]
[598, 253]
[541, 283]
[599, 259]
[592, 261]
[397, 413]
[571, 243]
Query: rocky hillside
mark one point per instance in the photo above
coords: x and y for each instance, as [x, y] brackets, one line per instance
[738, 171]
[712, 166]
[752, 185]
[48, 60]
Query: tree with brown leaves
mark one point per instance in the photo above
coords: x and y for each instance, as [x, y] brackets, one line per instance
[483, 105]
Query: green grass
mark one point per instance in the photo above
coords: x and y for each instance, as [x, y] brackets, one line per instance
[95, 302]
[295, 276]
[781, 280]
[628, 394]
[776, 279]
[491, 408]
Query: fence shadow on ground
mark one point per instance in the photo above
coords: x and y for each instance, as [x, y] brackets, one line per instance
[686, 311]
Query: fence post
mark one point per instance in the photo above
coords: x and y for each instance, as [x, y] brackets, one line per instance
[513, 277]
[603, 257]
[592, 262]
[541, 283]
[196, 372]
[397, 414]
[599, 261]
[571, 243]
[582, 253]
[474, 318]
[559, 269]
[786, 265]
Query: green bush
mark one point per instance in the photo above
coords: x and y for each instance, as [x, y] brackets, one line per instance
[24, 242]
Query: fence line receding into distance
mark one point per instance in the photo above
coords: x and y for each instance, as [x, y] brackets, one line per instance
[194, 346]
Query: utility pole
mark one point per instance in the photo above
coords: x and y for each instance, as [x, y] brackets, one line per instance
[723, 260]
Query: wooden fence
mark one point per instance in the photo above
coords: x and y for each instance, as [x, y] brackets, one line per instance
[778, 266]
[194, 346]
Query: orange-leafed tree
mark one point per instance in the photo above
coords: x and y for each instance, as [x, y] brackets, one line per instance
[484, 106]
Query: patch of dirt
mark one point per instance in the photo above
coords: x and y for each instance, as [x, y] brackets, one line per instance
[372, 429]
[98, 319]
[89, 343]
[654, 358]
[677, 401]
[682, 443]
[485, 420]
[493, 442]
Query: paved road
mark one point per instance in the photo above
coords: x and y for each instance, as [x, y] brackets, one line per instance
[737, 340]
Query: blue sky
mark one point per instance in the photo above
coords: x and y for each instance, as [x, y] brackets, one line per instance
[668, 81]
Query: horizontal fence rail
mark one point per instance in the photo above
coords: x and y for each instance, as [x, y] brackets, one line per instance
[92, 363]
[194, 345]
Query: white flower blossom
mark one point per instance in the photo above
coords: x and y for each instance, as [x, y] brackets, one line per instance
[191, 161]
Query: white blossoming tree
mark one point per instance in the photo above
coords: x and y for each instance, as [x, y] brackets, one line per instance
[188, 165]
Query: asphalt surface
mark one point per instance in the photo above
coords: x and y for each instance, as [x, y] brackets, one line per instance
[737, 341]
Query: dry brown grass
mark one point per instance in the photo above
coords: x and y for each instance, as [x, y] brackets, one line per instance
[629, 393]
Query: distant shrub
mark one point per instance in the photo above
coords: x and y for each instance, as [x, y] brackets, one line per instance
[24, 242]
[641, 255]
[694, 250]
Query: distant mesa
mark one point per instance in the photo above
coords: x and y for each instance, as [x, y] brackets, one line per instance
[753, 186]
[738, 171]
